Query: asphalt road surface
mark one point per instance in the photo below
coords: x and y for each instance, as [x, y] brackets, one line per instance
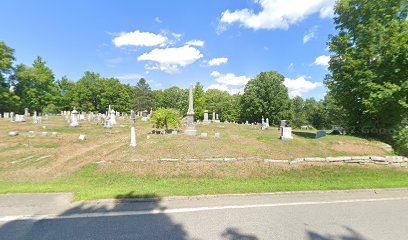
[344, 215]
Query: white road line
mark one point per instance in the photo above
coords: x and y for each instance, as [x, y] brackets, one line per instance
[185, 210]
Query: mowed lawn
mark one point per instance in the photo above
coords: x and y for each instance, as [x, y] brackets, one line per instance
[104, 166]
[89, 183]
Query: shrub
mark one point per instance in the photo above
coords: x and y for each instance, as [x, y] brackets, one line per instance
[165, 118]
[401, 142]
[50, 108]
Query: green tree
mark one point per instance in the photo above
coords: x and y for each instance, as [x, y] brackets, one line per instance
[369, 64]
[299, 115]
[8, 100]
[35, 85]
[66, 88]
[267, 96]
[95, 93]
[221, 102]
[199, 101]
[165, 118]
[86, 93]
[173, 97]
[143, 97]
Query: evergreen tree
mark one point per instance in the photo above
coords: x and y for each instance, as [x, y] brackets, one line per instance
[143, 96]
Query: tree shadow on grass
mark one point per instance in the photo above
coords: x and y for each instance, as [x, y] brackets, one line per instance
[121, 219]
[305, 134]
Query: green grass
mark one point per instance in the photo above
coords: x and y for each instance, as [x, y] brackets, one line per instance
[92, 184]
[44, 145]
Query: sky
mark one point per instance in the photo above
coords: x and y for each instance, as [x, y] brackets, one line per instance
[221, 44]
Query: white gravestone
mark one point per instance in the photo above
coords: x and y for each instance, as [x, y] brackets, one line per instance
[74, 118]
[133, 137]
[286, 133]
[20, 118]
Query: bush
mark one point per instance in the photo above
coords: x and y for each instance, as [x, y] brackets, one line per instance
[401, 142]
[165, 118]
[50, 108]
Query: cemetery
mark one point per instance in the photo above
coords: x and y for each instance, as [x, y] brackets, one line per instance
[60, 148]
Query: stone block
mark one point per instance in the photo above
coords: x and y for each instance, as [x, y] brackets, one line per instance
[377, 159]
[272, 161]
[203, 135]
[297, 160]
[317, 159]
[360, 158]
[338, 159]
[217, 135]
[44, 134]
[320, 134]
[82, 137]
[13, 133]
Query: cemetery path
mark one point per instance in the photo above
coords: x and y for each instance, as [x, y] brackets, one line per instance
[323, 215]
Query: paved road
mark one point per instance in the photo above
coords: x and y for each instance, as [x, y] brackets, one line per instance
[345, 215]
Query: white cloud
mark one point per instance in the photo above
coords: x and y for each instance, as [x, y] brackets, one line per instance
[217, 61]
[171, 59]
[197, 43]
[299, 86]
[230, 79]
[328, 11]
[137, 38]
[276, 14]
[131, 76]
[215, 74]
[310, 34]
[158, 20]
[223, 87]
[322, 60]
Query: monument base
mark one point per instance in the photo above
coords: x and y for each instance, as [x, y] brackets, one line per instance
[74, 125]
[190, 131]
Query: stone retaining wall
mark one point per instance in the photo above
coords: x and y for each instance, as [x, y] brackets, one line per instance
[397, 161]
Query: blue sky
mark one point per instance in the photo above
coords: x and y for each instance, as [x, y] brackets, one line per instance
[220, 43]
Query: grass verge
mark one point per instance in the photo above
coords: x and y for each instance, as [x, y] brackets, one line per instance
[89, 183]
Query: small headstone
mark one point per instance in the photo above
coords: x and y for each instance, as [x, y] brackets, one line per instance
[206, 117]
[108, 123]
[286, 133]
[204, 135]
[13, 133]
[54, 134]
[173, 132]
[44, 134]
[320, 134]
[31, 134]
[20, 118]
[217, 135]
[82, 137]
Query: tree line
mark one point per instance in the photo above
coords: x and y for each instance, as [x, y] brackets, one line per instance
[35, 87]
